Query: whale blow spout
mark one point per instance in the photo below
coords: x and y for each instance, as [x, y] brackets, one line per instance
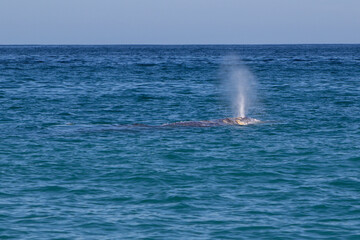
[239, 86]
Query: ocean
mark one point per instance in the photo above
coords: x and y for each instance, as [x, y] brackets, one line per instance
[83, 154]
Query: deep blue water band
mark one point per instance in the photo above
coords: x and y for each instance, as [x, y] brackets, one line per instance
[70, 168]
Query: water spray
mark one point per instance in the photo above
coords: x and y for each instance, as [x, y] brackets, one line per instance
[240, 86]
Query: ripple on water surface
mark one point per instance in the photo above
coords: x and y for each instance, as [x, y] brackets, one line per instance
[73, 165]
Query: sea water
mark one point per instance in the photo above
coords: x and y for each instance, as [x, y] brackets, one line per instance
[73, 165]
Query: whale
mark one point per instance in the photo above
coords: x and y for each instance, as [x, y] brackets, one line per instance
[243, 121]
[236, 121]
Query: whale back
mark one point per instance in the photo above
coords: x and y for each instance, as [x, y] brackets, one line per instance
[240, 121]
[219, 122]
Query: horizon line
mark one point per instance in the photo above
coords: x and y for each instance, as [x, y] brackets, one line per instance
[165, 44]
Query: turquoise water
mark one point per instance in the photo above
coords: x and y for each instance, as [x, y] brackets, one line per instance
[72, 165]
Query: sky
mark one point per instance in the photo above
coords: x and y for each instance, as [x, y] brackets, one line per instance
[179, 21]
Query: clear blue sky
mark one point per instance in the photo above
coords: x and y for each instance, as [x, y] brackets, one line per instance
[179, 21]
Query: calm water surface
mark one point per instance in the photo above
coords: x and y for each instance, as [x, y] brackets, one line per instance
[70, 169]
